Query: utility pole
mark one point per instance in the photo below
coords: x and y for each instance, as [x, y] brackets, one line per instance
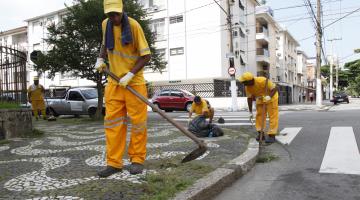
[318, 55]
[233, 88]
[230, 55]
[332, 68]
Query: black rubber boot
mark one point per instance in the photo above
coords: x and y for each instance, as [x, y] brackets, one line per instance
[270, 139]
[108, 171]
[136, 168]
[258, 137]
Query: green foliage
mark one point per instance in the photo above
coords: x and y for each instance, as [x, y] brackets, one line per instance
[353, 73]
[343, 76]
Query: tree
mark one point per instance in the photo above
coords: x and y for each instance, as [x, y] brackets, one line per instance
[75, 42]
[343, 76]
[353, 71]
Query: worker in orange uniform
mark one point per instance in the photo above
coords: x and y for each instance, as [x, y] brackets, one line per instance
[255, 89]
[36, 98]
[201, 107]
[125, 47]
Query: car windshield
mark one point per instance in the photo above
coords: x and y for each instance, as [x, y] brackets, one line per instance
[187, 93]
[90, 93]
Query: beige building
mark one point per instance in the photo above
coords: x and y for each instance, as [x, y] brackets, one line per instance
[267, 30]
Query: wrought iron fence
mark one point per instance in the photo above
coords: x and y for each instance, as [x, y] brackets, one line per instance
[217, 88]
[12, 75]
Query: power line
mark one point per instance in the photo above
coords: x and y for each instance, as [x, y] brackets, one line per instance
[342, 18]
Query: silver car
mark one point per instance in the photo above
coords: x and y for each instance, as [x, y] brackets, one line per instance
[77, 101]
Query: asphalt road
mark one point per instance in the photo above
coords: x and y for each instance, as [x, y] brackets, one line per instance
[325, 137]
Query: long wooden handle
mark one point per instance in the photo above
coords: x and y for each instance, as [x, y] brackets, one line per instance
[162, 113]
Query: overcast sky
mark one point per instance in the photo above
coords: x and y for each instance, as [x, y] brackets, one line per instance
[14, 12]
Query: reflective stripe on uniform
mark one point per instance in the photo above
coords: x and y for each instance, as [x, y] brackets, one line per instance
[137, 128]
[115, 125]
[114, 120]
[123, 55]
[143, 50]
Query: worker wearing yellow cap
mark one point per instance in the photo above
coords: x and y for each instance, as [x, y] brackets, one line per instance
[36, 98]
[255, 89]
[125, 47]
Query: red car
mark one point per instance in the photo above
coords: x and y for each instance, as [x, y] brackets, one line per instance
[173, 99]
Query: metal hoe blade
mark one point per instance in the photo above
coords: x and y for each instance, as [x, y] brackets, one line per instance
[194, 154]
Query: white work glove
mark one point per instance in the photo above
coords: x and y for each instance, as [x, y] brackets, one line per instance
[124, 81]
[100, 64]
[266, 99]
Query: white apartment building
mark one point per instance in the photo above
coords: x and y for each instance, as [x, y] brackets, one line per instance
[194, 38]
[301, 86]
[37, 31]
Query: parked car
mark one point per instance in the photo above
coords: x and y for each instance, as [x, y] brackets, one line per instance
[77, 101]
[173, 99]
[340, 97]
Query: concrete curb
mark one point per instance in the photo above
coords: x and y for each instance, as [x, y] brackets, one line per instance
[209, 186]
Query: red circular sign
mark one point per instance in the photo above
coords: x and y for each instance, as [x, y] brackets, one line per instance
[232, 71]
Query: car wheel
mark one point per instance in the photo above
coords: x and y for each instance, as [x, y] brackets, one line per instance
[156, 105]
[76, 116]
[51, 112]
[92, 112]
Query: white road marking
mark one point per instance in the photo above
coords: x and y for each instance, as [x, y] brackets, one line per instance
[215, 119]
[342, 153]
[234, 124]
[287, 135]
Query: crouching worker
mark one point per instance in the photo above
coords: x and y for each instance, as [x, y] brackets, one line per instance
[199, 126]
[127, 50]
[255, 89]
[201, 107]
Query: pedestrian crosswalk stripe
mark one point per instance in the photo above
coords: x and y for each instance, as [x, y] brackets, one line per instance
[287, 135]
[342, 154]
[215, 119]
[235, 124]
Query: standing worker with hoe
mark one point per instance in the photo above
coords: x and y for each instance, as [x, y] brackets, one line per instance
[265, 92]
[127, 50]
[36, 98]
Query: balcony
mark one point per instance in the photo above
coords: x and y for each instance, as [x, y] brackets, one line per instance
[262, 55]
[262, 35]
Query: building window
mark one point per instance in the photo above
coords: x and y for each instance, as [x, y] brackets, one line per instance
[36, 26]
[176, 19]
[67, 76]
[36, 47]
[242, 34]
[241, 5]
[161, 52]
[235, 34]
[157, 3]
[177, 51]
[157, 26]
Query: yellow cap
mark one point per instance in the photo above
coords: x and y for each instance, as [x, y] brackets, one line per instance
[113, 6]
[36, 78]
[247, 76]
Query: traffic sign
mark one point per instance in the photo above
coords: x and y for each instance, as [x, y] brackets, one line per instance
[231, 71]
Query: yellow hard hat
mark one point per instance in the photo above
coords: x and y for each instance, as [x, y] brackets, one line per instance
[36, 78]
[113, 6]
[247, 76]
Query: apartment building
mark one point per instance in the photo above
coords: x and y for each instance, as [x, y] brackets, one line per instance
[267, 43]
[300, 86]
[193, 36]
[16, 38]
[37, 32]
